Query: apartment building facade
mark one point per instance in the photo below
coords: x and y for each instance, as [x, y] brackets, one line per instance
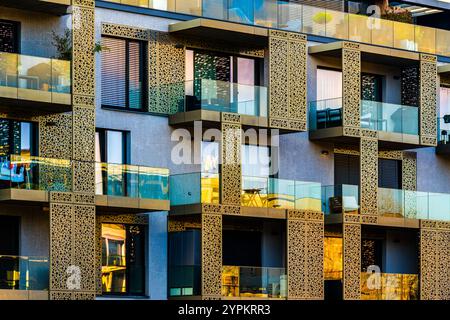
[224, 150]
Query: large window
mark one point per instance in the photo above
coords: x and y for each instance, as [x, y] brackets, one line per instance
[112, 148]
[123, 259]
[123, 74]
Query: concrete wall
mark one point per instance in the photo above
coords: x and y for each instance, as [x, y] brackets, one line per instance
[36, 30]
[157, 256]
[400, 252]
[34, 229]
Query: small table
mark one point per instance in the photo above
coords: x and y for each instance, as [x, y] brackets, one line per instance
[253, 193]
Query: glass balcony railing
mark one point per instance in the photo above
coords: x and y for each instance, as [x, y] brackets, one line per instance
[264, 192]
[35, 173]
[340, 199]
[184, 280]
[325, 114]
[311, 20]
[34, 78]
[413, 204]
[24, 273]
[389, 286]
[389, 117]
[254, 282]
[131, 181]
[194, 188]
[224, 96]
[375, 115]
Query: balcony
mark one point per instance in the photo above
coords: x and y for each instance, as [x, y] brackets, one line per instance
[260, 196]
[206, 99]
[118, 187]
[124, 187]
[240, 282]
[397, 125]
[24, 278]
[396, 207]
[262, 192]
[389, 286]
[311, 20]
[30, 179]
[56, 7]
[405, 204]
[34, 84]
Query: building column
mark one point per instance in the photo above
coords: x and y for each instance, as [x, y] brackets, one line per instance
[72, 214]
[428, 99]
[305, 233]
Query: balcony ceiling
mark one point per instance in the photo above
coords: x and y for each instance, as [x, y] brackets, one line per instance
[369, 53]
[221, 31]
[56, 7]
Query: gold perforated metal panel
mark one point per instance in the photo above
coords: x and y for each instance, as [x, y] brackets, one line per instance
[211, 256]
[369, 176]
[428, 99]
[231, 173]
[351, 90]
[287, 80]
[434, 260]
[305, 231]
[351, 261]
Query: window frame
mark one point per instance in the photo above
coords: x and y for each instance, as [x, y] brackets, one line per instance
[143, 72]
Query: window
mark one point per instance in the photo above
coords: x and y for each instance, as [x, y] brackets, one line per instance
[123, 259]
[329, 84]
[123, 74]
[112, 147]
[9, 36]
[224, 83]
[444, 115]
[346, 169]
[389, 174]
[18, 138]
[328, 108]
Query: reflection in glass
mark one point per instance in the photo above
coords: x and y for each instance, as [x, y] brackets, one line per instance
[332, 258]
[114, 258]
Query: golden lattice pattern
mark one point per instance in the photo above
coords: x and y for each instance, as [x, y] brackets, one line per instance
[428, 99]
[287, 80]
[352, 261]
[305, 255]
[231, 164]
[211, 255]
[369, 176]
[351, 91]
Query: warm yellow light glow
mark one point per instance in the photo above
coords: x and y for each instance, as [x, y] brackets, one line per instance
[332, 258]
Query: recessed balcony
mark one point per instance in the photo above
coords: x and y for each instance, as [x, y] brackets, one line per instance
[205, 100]
[24, 278]
[443, 146]
[397, 125]
[34, 84]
